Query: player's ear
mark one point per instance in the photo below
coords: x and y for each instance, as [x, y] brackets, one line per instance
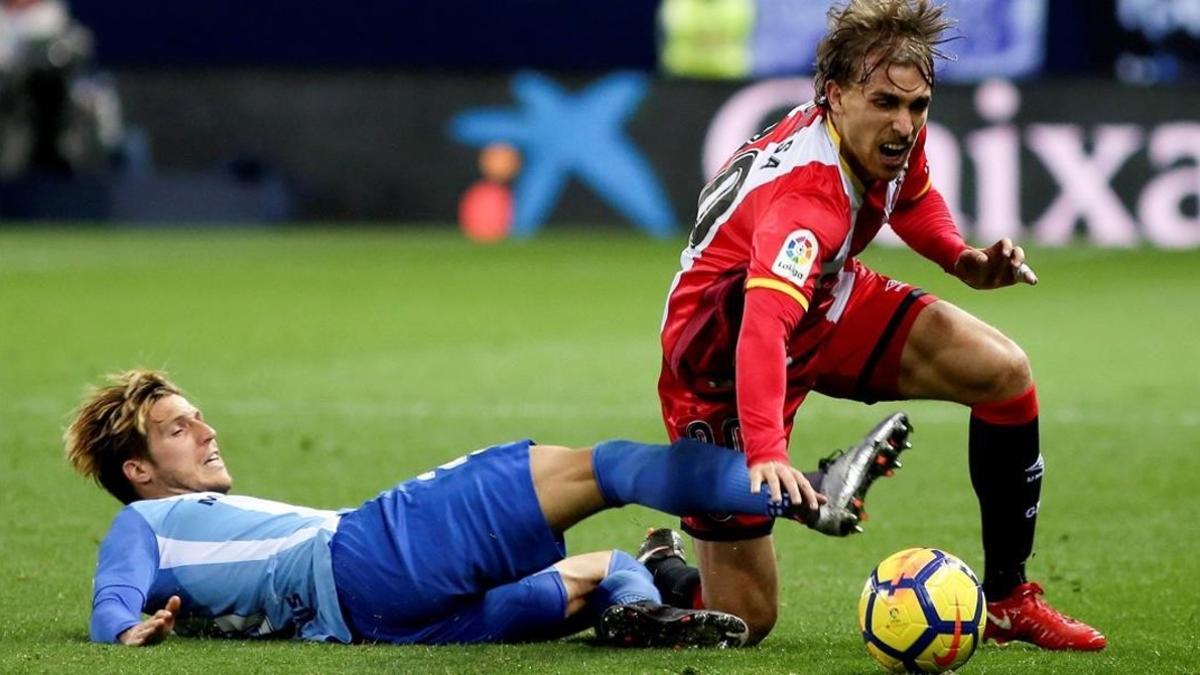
[833, 94]
[137, 471]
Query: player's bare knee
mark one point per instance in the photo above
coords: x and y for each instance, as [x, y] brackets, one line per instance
[741, 577]
[760, 621]
[581, 574]
[559, 464]
[1011, 373]
[759, 612]
[565, 484]
[979, 363]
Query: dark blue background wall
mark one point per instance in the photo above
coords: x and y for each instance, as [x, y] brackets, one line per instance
[457, 34]
[560, 34]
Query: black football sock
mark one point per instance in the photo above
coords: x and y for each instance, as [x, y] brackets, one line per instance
[1006, 472]
[675, 580]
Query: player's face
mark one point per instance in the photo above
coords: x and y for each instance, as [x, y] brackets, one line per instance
[184, 456]
[880, 119]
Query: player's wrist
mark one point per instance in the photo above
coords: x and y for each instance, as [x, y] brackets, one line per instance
[758, 459]
[954, 257]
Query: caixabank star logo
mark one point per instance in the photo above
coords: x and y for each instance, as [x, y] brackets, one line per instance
[551, 136]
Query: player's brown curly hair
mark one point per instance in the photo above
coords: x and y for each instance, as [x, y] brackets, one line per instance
[866, 34]
[110, 428]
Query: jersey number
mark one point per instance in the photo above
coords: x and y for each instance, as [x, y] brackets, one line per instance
[720, 193]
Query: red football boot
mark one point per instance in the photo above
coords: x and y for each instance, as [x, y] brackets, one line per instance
[1025, 616]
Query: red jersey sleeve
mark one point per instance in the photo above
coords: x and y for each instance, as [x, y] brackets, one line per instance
[798, 234]
[921, 217]
[928, 228]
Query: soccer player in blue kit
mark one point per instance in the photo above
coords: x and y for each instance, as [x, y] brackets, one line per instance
[469, 552]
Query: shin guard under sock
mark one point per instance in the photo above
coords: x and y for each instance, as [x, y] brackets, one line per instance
[1006, 471]
[683, 478]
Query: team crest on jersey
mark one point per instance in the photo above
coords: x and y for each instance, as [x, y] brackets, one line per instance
[796, 257]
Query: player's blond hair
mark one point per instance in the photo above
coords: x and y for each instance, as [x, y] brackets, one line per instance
[866, 34]
[110, 428]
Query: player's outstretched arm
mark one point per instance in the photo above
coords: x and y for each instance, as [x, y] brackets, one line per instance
[769, 317]
[999, 265]
[154, 629]
[124, 574]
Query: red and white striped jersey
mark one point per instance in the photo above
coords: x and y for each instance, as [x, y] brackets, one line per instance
[788, 210]
[786, 213]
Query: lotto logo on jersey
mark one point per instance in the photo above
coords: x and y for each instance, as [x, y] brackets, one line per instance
[796, 257]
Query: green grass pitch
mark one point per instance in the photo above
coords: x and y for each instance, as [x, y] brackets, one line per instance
[335, 362]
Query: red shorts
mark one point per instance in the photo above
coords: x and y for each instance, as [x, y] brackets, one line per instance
[857, 357]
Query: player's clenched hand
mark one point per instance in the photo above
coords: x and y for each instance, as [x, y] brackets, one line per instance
[1001, 264]
[155, 628]
[780, 477]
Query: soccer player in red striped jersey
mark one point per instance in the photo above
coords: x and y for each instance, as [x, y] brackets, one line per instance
[772, 303]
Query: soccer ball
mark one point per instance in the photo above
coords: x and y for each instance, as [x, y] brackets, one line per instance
[922, 610]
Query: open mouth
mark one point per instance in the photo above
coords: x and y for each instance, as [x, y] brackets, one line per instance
[214, 458]
[893, 150]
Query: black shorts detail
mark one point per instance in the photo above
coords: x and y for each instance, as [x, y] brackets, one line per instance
[731, 531]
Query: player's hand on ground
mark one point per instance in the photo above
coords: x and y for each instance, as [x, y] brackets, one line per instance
[1001, 264]
[781, 477]
[154, 629]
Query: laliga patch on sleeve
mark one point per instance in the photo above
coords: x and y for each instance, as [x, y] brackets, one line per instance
[796, 257]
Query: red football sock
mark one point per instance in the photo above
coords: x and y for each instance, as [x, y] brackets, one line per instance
[1020, 409]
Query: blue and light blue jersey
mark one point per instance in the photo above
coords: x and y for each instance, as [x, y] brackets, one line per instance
[413, 565]
[242, 566]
